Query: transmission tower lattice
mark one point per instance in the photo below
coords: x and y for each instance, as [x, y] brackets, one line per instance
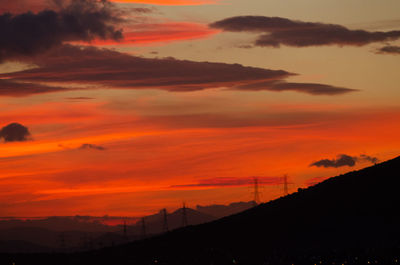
[285, 185]
[256, 192]
[184, 216]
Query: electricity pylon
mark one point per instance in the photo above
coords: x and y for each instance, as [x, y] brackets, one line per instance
[285, 185]
[256, 191]
[184, 215]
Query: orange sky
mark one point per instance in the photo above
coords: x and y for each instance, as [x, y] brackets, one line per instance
[107, 138]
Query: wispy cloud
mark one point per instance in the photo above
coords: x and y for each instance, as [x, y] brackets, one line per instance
[389, 49]
[92, 146]
[309, 88]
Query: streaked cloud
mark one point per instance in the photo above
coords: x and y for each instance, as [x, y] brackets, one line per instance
[19, 89]
[102, 68]
[112, 69]
[230, 182]
[309, 88]
[92, 146]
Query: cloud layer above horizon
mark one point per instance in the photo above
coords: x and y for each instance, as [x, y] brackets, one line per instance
[277, 31]
[70, 65]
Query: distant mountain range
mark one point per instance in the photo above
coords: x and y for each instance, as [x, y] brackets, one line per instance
[79, 233]
[351, 219]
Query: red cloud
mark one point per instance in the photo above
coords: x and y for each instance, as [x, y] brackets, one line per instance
[19, 6]
[231, 182]
[145, 34]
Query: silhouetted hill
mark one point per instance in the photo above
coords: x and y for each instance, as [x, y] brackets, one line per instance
[351, 217]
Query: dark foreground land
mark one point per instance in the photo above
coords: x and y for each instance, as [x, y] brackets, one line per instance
[349, 219]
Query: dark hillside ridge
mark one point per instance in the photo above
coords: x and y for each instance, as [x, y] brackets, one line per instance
[357, 213]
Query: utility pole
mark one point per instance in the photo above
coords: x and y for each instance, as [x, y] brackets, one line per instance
[184, 215]
[165, 220]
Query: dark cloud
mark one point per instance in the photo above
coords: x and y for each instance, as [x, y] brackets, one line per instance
[14, 132]
[389, 49]
[340, 161]
[278, 31]
[102, 68]
[369, 158]
[344, 160]
[28, 34]
[143, 10]
[309, 88]
[92, 146]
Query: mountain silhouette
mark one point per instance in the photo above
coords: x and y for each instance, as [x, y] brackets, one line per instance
[77, 233]
[154, 224]
[351, 217]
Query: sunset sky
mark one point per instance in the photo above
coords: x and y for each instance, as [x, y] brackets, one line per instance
[127, 107]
